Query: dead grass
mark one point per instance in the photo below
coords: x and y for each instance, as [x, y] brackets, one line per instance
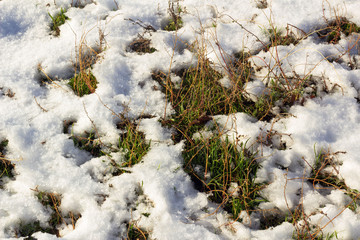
[141, 45]
[336, 25]
[210, 161]
[84, 82]
[324, 177]
[52, 202]
[136, 233]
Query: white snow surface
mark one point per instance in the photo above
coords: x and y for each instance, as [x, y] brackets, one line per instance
[156, 193]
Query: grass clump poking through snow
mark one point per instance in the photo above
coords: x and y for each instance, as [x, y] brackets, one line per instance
[200, 94]
[325, 173]
[141, 45]
[135, 233]
[27, 229]
[58, 20]
[88, 143]
[84, 82]
[276, 37]
[132, 143]
[6, 167]
[52, 201]
[332, 32]
[325, 177]
[175, 21]
[225, 170]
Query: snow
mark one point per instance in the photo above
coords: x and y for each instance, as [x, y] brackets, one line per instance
[157, 194]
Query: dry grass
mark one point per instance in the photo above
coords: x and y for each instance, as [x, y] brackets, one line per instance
[141, 45]
[84, 82]
[51, 201]
[325, 176]
[6, 167]
[210, 161]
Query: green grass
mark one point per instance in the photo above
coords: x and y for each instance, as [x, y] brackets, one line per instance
[174, 24]
[199, 96]
[132, 143]
[135, 233]
[224, 166]
[175, 21]
[325, 172]
[27, 229]
[332, 32]
[276, 37]
[88, 143]
[58, 20]
[6, 167]
[52, 201]
[83, 83]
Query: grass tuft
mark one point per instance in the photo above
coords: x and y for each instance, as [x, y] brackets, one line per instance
[141, 45]
[325, 172]
[132, 143]
[227, 172]
[84, 82]
[88, 143]
[6, 167]
[332, 32]
[52, 201]
[136, 233]
[175, 21]
[277, 37]
[200, 94]
[27, 229]
[58, 20]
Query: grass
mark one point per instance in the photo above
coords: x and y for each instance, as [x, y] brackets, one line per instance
[218, 167]
[136, 233]
[276, 37]
[6, 167]
[141, 45]
[132, 143]
[324, 177]
[88, 143]
[84, 82]
[224, 170]
[228, 173]
[340, 25]
[175, 21]
[51, 201]
[199, 96]
[325, 173]
[27, 229]
[58, 20]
